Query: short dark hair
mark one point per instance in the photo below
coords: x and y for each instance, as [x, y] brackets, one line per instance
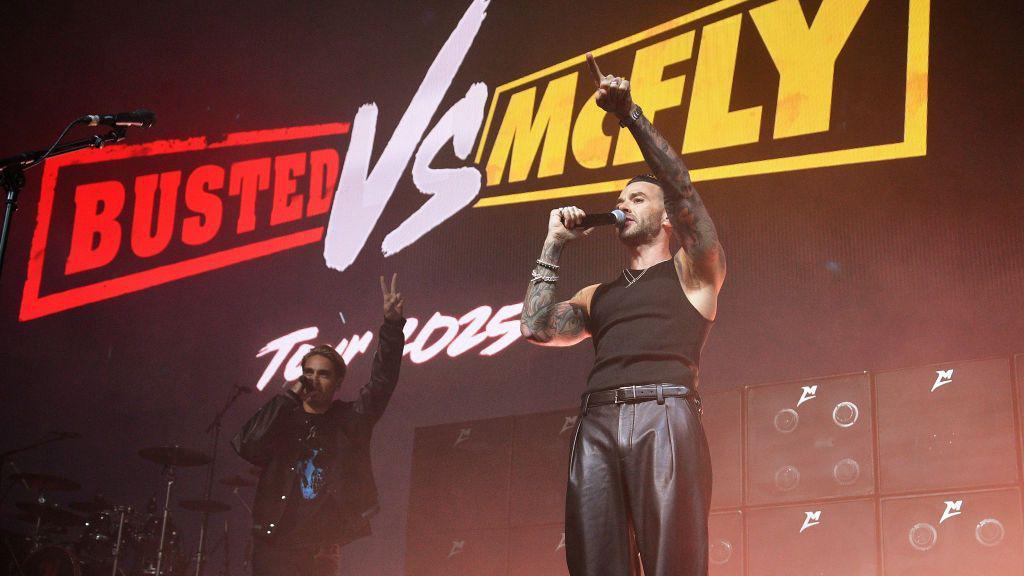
[328, 351]
[649, 178]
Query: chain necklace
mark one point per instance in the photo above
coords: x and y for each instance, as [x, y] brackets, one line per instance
[630, 278]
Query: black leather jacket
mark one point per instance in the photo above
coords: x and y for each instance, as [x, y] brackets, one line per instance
[265, 441]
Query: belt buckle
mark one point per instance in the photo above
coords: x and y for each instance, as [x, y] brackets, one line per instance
[625, 400]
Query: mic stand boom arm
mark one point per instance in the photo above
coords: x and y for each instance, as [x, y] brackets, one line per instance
[12, 174]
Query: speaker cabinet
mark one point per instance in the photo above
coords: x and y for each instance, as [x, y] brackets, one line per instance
[540, 466]
[809, 440]
[723, 426]
[460, 476]
[725, 544]
[459, 553]
[953, 534]
[946, 426]
[537, 551]
[1018, 364]
[835, 538]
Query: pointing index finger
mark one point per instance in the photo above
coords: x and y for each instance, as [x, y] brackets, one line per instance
[595, 72]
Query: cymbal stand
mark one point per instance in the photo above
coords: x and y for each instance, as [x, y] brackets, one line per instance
[226, 570]
[163, 524]
[124, 510]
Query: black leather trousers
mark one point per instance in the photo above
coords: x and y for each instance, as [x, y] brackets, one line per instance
[639, 482]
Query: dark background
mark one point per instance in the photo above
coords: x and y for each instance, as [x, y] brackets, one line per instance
[863, 267]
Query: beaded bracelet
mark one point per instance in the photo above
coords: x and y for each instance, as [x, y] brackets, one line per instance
[538, 278]
[549, 266]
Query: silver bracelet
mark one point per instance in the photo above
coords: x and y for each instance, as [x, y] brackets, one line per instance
[538, 278]
[549, 266]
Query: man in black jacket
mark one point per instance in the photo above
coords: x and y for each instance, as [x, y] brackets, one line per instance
[317, 491]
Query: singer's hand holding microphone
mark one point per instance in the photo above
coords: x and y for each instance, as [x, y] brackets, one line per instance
[569, 222]
[304, 387]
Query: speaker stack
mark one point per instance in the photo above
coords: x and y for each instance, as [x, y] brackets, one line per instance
[909, 472]
[459, 499]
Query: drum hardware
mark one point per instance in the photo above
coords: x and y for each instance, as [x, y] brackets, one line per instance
[171, 457]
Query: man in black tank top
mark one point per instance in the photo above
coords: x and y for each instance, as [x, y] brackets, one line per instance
[639, 486]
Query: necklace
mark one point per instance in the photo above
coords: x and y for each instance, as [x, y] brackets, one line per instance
[630, 278]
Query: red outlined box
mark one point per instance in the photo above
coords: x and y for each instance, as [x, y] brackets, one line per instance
[33, 305]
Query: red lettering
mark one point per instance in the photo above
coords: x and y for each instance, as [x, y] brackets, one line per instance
[287, 207]
[147, 241]
[323, 177]
[200, 229]
[96, 235]
[248, 177]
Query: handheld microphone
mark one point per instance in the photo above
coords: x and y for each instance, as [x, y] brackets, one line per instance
[142, 118]
[615, 217]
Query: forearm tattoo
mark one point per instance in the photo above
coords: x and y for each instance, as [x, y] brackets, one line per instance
[690, 219]
[543, 319]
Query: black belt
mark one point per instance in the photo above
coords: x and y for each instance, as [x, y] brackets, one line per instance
[634, 394]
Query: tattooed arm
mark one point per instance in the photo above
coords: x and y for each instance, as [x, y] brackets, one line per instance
[704, 264]
[544, 321]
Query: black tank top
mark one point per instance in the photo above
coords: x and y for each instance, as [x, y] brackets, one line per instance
[645, 333]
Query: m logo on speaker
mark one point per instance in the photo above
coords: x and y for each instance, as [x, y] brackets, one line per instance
[943, 377]
[457, 546]
[812, 519]
[809, 393]
[463, 436]
[952, 508]
[569, 424]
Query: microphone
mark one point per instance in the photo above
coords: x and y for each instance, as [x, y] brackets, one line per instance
[616, 217]
[141, 117]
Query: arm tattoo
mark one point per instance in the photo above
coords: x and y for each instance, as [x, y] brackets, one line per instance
[544, 320]
[690, 220]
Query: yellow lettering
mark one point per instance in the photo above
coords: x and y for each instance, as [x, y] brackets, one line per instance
[521, 132]
[805, 57]
[710, 124]
[651, 91]
[590, 145]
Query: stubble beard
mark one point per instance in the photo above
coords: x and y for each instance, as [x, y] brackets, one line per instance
[640, 233]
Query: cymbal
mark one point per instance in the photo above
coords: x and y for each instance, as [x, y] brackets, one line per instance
[174, 456]
[46, 482]
[237, 481]
[49, 514]
[209, 506]
[98, 504]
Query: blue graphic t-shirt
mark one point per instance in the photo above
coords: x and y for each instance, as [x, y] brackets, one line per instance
[311, 475]
[304, 517]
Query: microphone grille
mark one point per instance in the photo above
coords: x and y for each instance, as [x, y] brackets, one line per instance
[620, 217]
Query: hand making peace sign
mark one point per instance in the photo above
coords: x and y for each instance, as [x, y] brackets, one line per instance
[393, 301]
[612, 91]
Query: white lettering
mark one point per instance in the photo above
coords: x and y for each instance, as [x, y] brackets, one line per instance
[362, 194]
[281, 347]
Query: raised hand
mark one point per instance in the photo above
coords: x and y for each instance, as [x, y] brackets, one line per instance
[612, 91]
[394, 303]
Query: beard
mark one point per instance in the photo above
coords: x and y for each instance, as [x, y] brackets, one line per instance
[642, 231]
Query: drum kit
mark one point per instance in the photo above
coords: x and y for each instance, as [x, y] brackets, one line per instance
[94, 537]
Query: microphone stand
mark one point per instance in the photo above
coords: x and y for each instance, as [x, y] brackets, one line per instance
[213, 428]
[12, 174]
